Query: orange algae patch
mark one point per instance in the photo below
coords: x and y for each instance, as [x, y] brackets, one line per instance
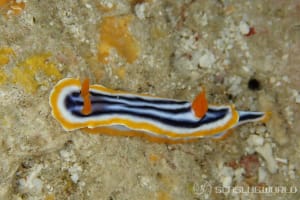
[26, 72]
[11, 7]
[5, 52]
[154, 157]
[114, 33]
[161, 195]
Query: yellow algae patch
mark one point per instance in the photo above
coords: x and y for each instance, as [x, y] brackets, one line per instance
[50, 197]
[5, 52]
[26, 72]
[114, 33]
[3, 77]
[120, 72]
[11, 7]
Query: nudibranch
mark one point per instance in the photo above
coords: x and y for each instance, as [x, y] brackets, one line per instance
[98, 109]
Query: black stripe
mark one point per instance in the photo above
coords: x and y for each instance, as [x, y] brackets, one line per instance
[116, 101]
[138, 99]
[213, 114]
[166, 110]
[70, 103]
[183, 123]
[250, 116]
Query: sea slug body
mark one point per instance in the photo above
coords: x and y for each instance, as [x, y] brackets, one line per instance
[97, 109]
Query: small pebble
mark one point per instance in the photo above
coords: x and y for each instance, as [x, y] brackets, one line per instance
[226, 181]
[145, 182]
[74, 172]
[226, 174]
[139, 10]
[255, 140]
[261, 130]
[67, 156]
[239, 174]
[207, 60]
[282, 160]
[262, 175]
[291, 172]
[88, 6]
[244, 28]
[32, 183]
[297, 98]
[296, 95]
[266, 152]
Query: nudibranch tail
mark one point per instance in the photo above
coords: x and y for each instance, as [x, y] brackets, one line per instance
[200, 105]
[97, 109]
[244, 117]
[248, 116]
[85, 94]
[266, 117]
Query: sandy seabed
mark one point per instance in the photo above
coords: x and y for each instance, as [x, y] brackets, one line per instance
[245, 53]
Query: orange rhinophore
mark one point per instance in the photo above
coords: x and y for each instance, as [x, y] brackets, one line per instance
[85, 94]
[200, 104]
